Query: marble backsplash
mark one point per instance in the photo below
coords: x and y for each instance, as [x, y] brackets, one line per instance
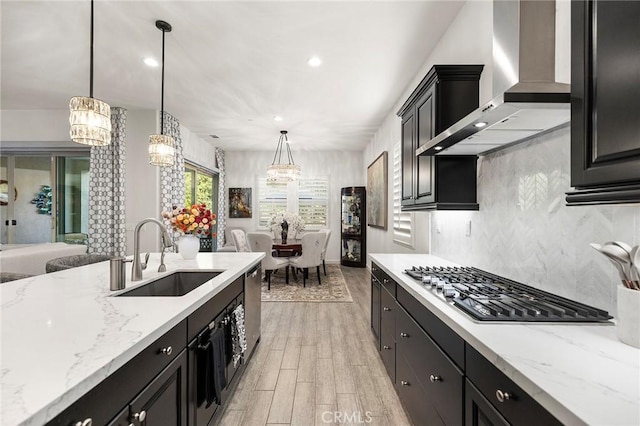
[525, 231]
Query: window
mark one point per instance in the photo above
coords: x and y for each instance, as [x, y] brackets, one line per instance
[402, 221]
[272, 198]
[309, 198]
[201, 187]
[313, 202]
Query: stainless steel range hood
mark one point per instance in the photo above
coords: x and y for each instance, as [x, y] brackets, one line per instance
[527, 100]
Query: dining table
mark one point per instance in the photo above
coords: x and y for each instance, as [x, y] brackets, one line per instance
[292, 247]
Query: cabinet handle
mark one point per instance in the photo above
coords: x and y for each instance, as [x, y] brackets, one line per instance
[140, 416]
[86, 422]
[403, 383]
[435, 378]
[167, 351]
[386, 309]
[503, 396]
[386, 281]
[404, 335]
[385, 347]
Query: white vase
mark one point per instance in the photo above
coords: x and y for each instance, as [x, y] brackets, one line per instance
[628, 324]
[188, 246]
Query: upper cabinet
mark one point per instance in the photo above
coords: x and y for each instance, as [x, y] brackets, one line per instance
[445, 95]
[605, 102]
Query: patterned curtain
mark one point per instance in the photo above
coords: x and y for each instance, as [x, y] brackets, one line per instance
[172, 178]
[222, 199]
[106, 191]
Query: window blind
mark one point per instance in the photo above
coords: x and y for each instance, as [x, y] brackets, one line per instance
[313, 201]
[272, 198]
[402, 221]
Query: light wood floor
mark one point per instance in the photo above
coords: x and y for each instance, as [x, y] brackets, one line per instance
[315, 359]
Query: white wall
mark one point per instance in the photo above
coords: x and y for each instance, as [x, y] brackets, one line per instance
[35, 128]
[197, 150]
[467, 41]
[342, 168]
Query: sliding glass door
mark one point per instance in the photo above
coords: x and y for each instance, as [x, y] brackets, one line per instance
[201, 186]
[50, 199]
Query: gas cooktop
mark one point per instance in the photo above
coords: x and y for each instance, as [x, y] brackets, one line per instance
[488, 297]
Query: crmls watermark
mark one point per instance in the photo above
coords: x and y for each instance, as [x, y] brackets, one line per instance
[352, 417]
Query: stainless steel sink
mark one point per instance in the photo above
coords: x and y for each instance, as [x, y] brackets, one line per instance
[176, 284]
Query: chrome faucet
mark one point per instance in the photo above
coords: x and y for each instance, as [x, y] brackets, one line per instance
[136, 273]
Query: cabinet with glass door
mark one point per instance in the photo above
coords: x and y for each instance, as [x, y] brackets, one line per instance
[353, 227]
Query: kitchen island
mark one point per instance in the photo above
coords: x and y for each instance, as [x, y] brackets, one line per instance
[578, 373]
[65, 333]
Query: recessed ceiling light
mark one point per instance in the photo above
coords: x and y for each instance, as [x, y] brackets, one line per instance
[438, 148]
[151, 62]
[314, 61]
[277, 118]
[480, 124]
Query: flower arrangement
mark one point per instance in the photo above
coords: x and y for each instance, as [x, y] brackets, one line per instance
[296, 224]
[196, 220]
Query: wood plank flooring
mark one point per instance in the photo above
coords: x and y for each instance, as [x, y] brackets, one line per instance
[317, 364]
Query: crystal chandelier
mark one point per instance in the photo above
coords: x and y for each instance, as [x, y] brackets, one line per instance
[161, 147]
[283, 172]
[90, 118]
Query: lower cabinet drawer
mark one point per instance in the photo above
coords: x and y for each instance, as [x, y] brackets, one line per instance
[509, 399]
[389, 306]
[441, 379]
[388, 353]
[413, 396]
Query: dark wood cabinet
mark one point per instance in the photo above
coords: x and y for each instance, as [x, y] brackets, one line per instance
[445, 95]
[164, 400]
[508, 399]
[440, 379]
[605, 100]
[375, 309]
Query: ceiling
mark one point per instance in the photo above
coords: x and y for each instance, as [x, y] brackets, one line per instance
[231, 66]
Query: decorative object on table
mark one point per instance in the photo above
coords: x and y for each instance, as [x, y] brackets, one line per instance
[43, 200]
[283, 172]
[4, 193]
[295, 224]
[90, 118]
[626, 259]
[377, 192]
[353, 233]
[162, 147]
[240, 203]
[206, 245]
[333, 289]
[194, 223]
[285, 231]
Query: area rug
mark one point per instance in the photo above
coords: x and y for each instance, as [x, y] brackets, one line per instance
[332, 289]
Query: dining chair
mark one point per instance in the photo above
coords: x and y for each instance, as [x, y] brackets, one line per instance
[312, 245]
[263, 242]
[327, 232]
[240, 240]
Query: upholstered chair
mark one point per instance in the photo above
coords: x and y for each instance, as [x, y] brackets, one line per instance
[6, 277]
[262, 242]
[68, 262]
[312, 246]
[240, 240]
[324, 250]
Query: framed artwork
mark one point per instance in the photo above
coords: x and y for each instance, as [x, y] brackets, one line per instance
[377, 192]
[239, 203]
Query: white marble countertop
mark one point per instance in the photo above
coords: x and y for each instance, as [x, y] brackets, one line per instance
[63, 333]
[581, 373]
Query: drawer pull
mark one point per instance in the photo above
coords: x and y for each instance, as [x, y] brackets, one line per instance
[435, 378]
[404, 335]
[167, 351]
[403, 383]
[386, 281]
[86, 422]
[386, 309]
[140, 416]
[503, 396]
[386, 347]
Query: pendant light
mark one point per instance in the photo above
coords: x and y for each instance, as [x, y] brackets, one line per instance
[161, 147]
[283, 172]
[90, 118]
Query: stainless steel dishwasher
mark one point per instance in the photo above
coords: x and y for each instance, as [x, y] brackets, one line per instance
[253, 303]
